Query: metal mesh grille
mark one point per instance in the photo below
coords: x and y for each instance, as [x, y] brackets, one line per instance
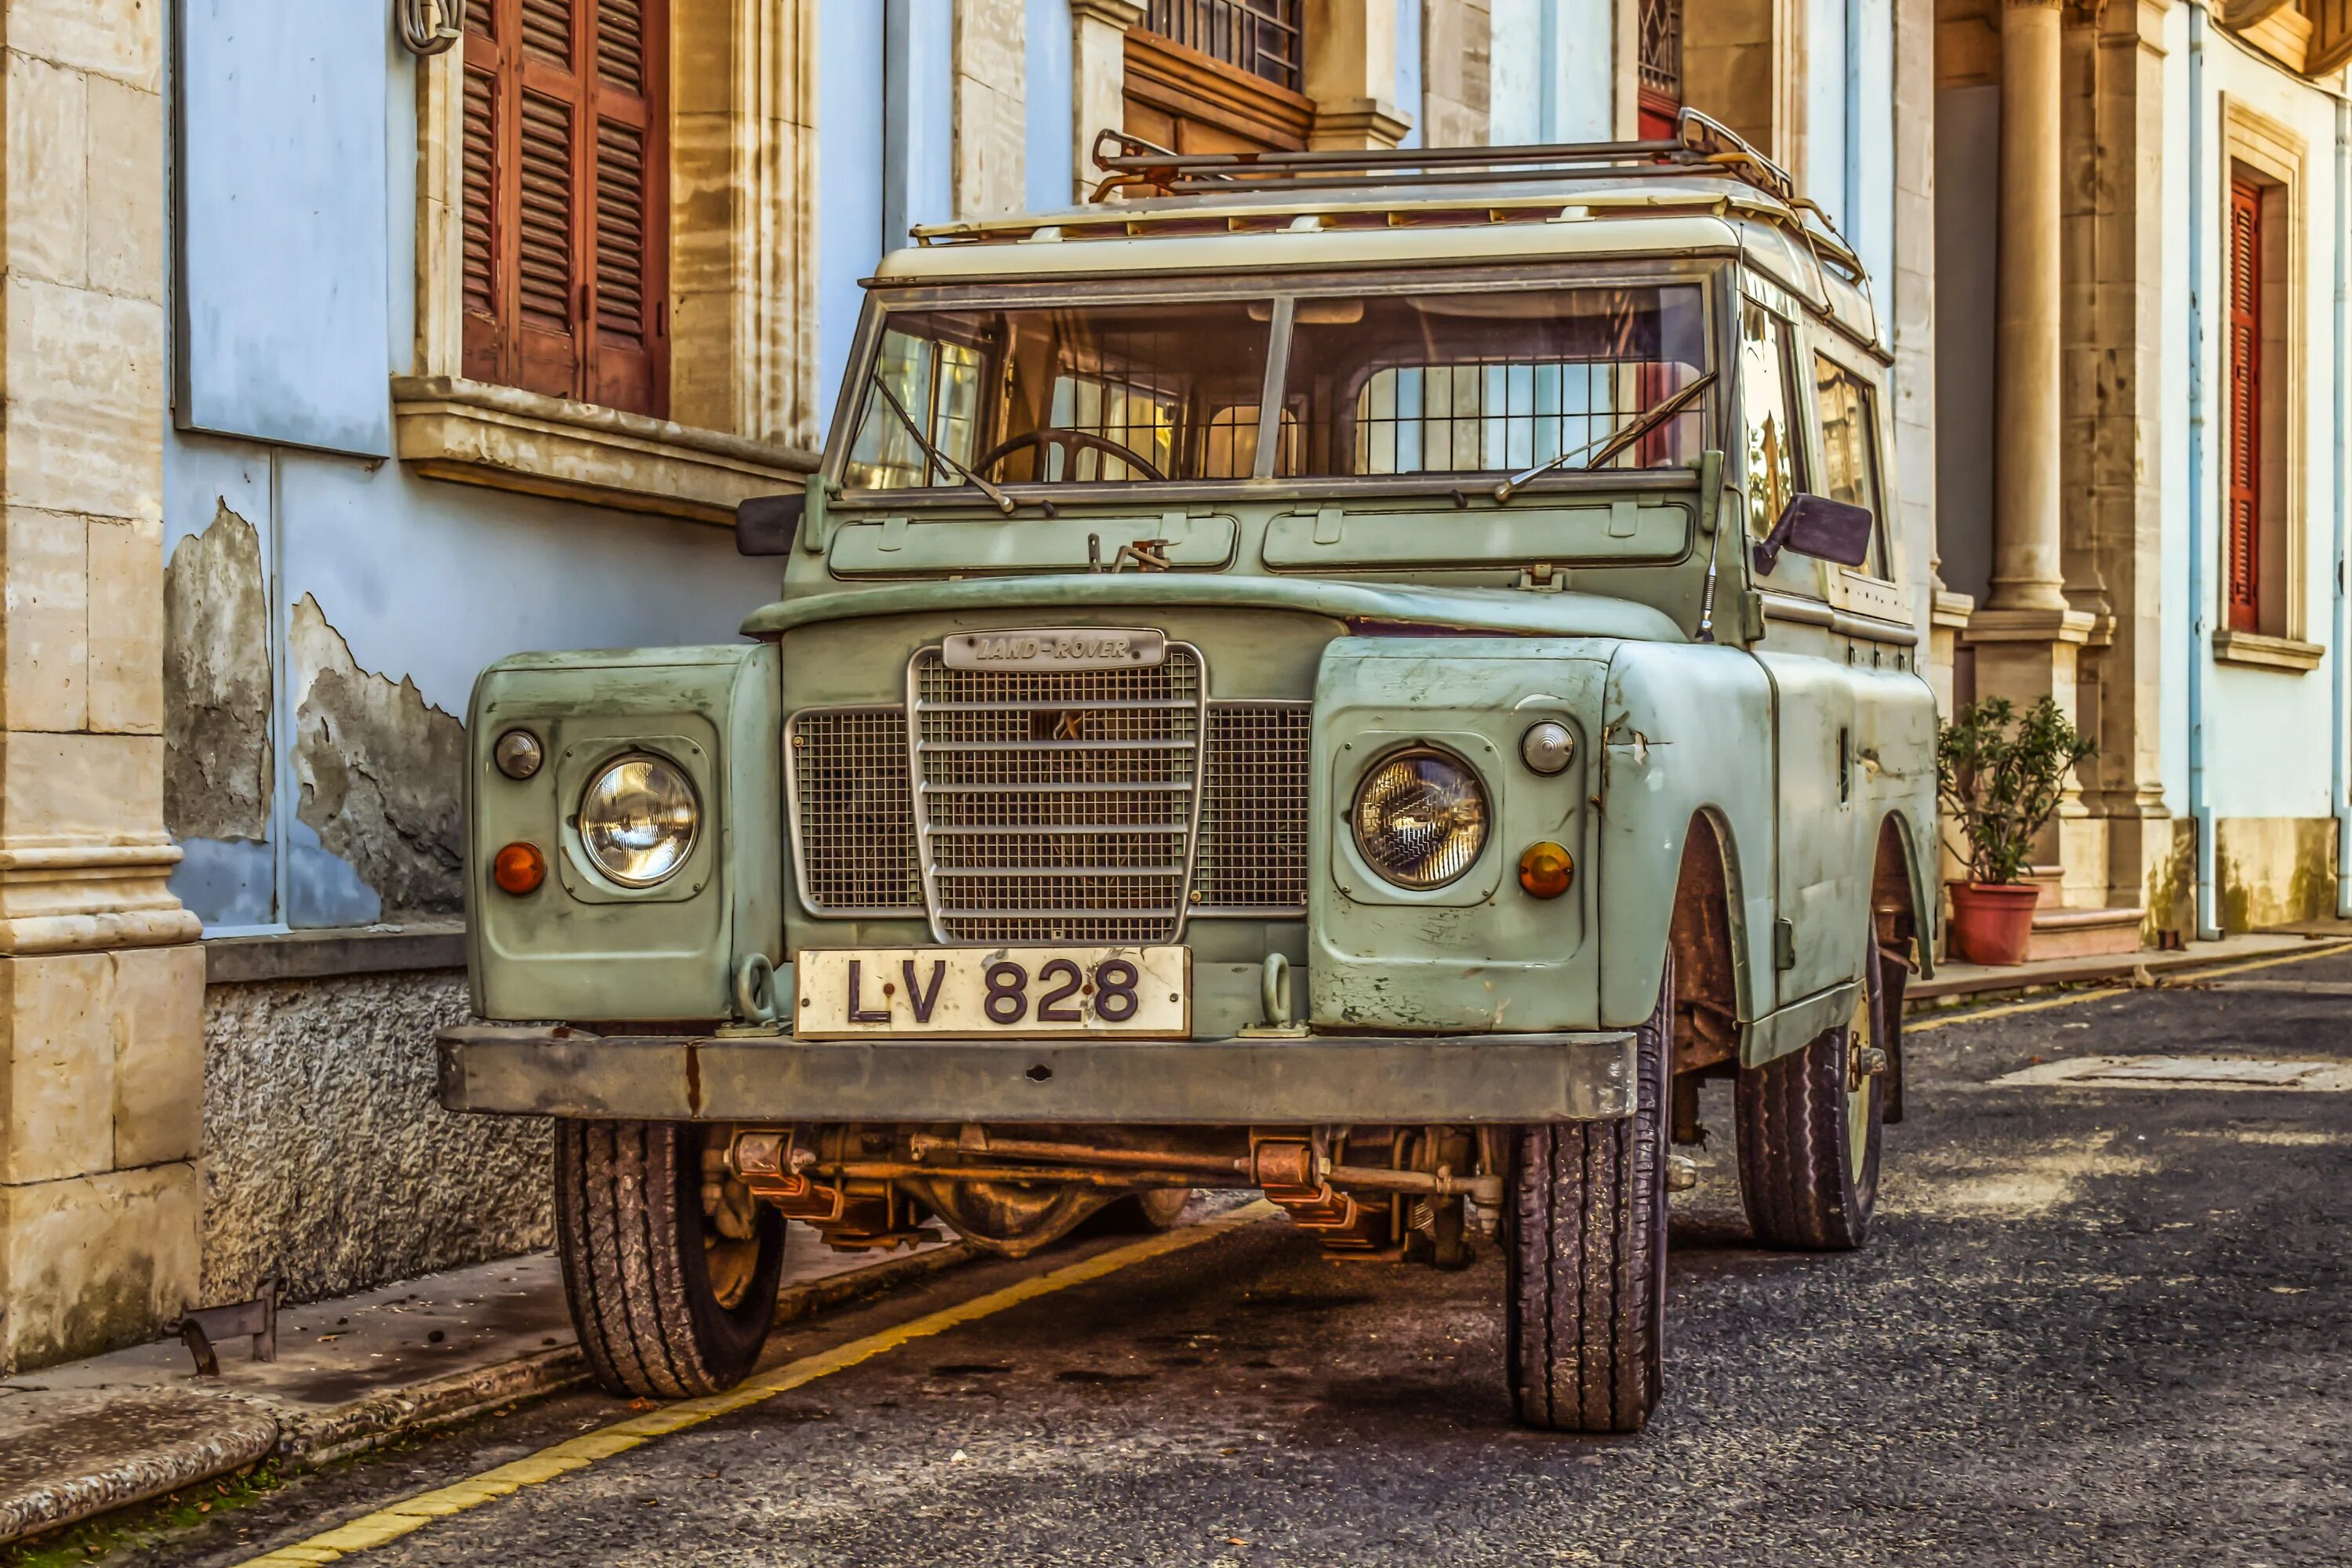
[1253, 856]
[855, 815]
[1029, 843]
[1057, 805]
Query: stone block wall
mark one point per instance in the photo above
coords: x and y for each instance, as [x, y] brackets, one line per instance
[101, 992]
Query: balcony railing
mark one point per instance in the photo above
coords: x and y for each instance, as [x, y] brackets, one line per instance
[1265, 38]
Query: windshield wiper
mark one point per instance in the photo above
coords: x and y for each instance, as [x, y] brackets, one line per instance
[1657, 414]
[1004, 503]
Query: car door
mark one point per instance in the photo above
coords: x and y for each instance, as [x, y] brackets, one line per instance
[1894, 740]
[1818, 934]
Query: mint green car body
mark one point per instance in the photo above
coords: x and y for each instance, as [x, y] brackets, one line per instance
[1783, 719]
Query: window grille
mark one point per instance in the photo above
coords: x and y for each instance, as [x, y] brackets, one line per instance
[1496, 414]
[1265, 38]
[1662, 48]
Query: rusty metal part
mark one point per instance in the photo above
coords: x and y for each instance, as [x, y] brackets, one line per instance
[1442, 1183]
[1120, 1179]
[1687, 1127]
[1706, 994]
[256, 1320]
[1282, 1162]
[1010, 1219]
[993, 1147]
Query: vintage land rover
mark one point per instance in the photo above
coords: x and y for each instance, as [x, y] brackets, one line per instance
[1363, 676]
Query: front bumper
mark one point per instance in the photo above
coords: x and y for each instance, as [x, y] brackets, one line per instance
[1314, 1080]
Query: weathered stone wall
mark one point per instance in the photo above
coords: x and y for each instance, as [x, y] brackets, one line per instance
[328, 1162]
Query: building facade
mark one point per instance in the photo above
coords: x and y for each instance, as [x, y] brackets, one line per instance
[350, 346]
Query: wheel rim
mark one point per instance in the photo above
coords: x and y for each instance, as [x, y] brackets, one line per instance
[731, 1265]
[1859, 1086]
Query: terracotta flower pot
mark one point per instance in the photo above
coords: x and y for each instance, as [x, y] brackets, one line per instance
[1992, 922]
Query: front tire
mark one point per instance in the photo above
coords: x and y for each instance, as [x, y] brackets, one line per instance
[666, 1303]
[1586, 1267]
[1809, 1132]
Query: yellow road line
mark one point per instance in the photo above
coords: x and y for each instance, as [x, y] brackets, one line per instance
[2014, 1007]
[2072, 997]
[414, 1513]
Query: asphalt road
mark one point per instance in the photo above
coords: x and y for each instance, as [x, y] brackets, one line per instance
[2095, 1325]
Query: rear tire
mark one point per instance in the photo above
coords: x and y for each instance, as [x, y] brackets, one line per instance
[1808, 1133]
[667, 1306]
[1586, 1264]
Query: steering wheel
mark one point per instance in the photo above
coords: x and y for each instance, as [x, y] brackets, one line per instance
[1072, 443]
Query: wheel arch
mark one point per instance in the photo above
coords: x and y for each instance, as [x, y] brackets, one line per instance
[1713, 1000]
[1902, 893]
[1704, 921]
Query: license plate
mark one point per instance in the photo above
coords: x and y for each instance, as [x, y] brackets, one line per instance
[845, 993]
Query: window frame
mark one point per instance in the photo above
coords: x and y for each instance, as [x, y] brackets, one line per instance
[2271, 157]
[1714, 407]
[1880, 565]
[1800, 417]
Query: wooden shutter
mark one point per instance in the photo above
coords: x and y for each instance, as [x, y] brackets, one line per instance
[2243, 348]
[566, 232]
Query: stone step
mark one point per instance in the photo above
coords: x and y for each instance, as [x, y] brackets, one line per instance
[2084, 934]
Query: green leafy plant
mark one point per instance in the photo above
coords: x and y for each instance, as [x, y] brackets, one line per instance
[2000, 774]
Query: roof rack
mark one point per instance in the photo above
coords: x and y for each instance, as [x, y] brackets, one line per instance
[1701, 145]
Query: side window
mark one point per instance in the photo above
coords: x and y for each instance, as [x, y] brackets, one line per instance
[1775, 459]
[1849, 410]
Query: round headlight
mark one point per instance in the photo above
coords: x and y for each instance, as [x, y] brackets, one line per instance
[1421, 817]
[638, 820]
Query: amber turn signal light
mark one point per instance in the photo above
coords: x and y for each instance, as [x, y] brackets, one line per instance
[521, 869]
[1545, 870]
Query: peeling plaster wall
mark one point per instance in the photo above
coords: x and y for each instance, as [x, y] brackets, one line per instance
[328, 1161]
[217, 686]
[381, 773]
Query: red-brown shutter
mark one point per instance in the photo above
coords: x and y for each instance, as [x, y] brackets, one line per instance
[478, 219]
[627, 226]
[2242, 536]
[566, 203]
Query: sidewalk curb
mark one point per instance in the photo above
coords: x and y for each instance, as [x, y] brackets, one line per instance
[232, 1434]
[1934, 995]
[237, 1431]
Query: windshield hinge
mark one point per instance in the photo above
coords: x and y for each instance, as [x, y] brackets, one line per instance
[1543, 577]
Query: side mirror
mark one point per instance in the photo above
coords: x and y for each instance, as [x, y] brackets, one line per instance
[767, 525]
[1817, 526]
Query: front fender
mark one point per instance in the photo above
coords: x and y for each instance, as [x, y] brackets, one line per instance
[1686, 732]
[579, 947]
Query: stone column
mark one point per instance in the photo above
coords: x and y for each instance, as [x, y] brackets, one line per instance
[1098, 77]
[1351, 73]
[2027, 637]
[2026, 570]
[101, 987]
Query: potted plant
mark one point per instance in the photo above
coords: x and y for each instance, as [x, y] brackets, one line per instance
[1998, 773]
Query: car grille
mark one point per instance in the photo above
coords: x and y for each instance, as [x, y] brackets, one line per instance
[1059, 806]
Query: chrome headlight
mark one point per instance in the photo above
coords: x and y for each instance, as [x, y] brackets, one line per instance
[1421, 817]
[638, 819]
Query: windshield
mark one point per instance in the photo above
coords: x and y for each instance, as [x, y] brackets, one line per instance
[1491, 382]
